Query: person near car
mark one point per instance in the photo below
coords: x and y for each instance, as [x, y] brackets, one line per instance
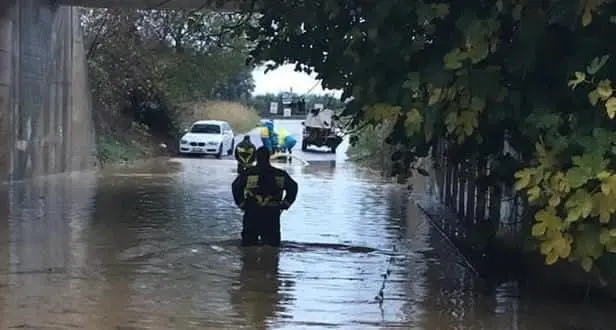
[245, 154]
[263, 192]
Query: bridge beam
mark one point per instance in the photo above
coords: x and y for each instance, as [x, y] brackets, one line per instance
[224, 5]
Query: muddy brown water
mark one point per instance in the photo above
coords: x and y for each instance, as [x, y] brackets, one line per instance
[151, 248]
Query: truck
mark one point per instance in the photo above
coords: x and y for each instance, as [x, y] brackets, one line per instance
[321, 128]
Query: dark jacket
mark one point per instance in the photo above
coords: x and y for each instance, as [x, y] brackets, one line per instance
[264, 186]
[245, 152]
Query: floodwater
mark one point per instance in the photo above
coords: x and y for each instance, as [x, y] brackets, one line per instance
[157, 248]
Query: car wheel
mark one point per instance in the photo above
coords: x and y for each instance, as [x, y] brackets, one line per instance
[230, 151]
[219, 154]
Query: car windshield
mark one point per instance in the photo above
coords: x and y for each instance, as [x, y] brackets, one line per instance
[205, 129]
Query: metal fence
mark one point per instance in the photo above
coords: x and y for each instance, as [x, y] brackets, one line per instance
[480, 210]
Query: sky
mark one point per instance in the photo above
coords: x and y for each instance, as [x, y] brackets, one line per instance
[284, 78]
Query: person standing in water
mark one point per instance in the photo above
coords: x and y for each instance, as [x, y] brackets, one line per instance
[264, 132]
[286, 141]
[245, 154]
[275, 146]
[263, 192]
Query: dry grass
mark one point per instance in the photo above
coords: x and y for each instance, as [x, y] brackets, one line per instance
[240, 117]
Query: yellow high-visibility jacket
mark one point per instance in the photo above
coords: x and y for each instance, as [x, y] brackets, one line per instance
[264, 132]
[282, 135]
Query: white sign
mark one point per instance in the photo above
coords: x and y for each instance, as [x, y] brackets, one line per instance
[287, 112]
[287, 98]
[319, 106]
[274, 107]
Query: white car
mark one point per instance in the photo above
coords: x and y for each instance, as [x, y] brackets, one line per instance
[208, 137]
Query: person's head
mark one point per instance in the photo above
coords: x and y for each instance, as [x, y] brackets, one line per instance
[263, 156]
[247, 137]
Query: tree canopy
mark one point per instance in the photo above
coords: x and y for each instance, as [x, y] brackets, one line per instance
[142, 60]
[476, 74]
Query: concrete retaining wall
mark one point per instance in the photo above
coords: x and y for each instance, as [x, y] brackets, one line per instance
[45, 110]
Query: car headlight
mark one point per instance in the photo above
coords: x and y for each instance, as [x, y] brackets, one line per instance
[212, 143]
[183, 142]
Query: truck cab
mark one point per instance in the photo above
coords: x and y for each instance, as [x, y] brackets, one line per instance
[321, 128]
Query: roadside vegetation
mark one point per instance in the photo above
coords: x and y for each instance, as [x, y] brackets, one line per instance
[369, 147]
[242, 118]
[470, 76]
[152, 72]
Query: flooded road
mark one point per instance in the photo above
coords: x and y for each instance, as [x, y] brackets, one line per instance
[157, 248]
[313, 154]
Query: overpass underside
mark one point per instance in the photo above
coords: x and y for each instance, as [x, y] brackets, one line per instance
[45, 113]
[153, 4]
